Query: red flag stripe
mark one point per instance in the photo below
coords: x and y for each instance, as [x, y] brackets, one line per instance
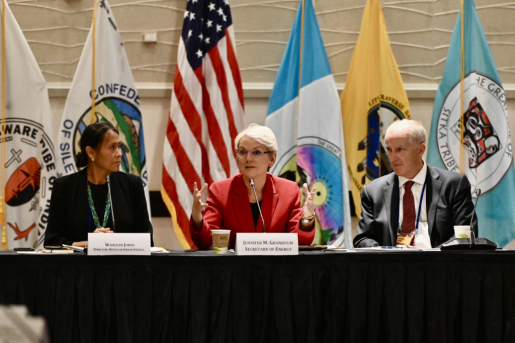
[233, 91]
[182, 187]
[215, 133]
[219, 71]
[193, 120]
[233, 64]
[182, 218]
[186, 168]
[218, 106]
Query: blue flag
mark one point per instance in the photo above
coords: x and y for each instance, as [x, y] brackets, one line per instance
[487, 140]
[305, 116]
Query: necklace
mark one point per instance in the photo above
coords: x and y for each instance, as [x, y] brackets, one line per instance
[94, 213]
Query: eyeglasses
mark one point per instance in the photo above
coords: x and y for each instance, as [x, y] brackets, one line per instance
[253, 153]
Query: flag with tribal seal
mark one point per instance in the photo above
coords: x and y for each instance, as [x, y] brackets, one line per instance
[26, 135]
[487, 159]
[116, 99]
[487, 140]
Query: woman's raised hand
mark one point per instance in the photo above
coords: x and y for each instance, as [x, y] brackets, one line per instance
[198, 205]
[308, 208]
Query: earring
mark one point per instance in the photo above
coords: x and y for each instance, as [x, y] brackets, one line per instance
[92, 160]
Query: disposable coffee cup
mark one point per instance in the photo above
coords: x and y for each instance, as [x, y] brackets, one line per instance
[221, 241]
[462, 231]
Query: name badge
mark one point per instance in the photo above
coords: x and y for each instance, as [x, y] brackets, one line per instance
[118, 244]
[267, 244]
[406, 239]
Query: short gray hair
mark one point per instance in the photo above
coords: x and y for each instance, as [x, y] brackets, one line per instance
[416, 129]
[262, 134]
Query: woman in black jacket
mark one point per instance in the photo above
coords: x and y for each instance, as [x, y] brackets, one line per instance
[81, 202]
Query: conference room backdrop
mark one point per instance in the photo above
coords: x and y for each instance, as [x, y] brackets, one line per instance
[420, 33]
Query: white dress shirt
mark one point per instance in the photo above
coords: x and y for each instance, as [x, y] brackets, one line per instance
[422, 239]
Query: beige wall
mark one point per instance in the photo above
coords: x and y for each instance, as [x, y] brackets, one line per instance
[419, 30]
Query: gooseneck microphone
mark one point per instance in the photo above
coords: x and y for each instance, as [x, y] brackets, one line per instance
[111, 200]
[473, 243]
[472, 234]
[257, 202]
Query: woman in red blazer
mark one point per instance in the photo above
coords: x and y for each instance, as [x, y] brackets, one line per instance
[232, 204]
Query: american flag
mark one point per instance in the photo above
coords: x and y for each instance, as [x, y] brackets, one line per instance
[206, 112]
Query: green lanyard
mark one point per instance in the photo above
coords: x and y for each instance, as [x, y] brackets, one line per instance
[94, 213]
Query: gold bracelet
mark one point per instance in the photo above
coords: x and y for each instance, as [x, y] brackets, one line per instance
[308, 218]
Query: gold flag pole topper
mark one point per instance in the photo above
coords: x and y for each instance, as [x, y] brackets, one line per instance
[2, 158]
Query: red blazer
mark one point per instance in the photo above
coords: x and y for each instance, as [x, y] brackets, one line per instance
[228, 207]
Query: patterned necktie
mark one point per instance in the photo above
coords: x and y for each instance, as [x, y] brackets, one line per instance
[408, 209]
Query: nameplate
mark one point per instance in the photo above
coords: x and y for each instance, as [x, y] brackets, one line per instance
[118, 243]
[267, 244]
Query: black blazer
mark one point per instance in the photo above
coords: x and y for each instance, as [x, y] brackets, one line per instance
[68, 218]
[448, 203]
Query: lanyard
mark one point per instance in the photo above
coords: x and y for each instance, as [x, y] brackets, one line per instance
[419, 207]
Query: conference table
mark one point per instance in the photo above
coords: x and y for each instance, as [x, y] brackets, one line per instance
[319, 296]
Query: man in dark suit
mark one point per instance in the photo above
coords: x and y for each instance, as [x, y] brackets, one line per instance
[417, 205]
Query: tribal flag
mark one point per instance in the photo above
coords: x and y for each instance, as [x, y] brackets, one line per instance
[304, 113]
[487, 145]
[373, 98]
[206, 113]
[30, 164]
[116, 98]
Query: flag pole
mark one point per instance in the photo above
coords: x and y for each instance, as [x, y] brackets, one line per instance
[300, 64]
[93, 83]
[462, 90]
[2, 158]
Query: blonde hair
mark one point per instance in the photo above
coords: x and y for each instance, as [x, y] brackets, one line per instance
[261, 134]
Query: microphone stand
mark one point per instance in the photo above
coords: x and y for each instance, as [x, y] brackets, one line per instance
[472, 234]
[111, 199]
[257, 202]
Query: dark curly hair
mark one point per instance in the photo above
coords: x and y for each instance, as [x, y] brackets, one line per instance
[93, 136]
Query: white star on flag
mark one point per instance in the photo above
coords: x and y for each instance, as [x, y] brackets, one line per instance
[220, 11]
[211, 7]
[192, 16]
[218, 28]
[209, 23]
[199, 53]
[186, 14]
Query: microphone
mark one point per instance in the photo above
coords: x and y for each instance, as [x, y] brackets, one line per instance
[472, 234]
[111, 200]
[469, 244]
[257, 202]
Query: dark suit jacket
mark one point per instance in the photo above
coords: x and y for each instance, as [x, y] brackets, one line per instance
[448, 203]
[228, 207]
[68, 218]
